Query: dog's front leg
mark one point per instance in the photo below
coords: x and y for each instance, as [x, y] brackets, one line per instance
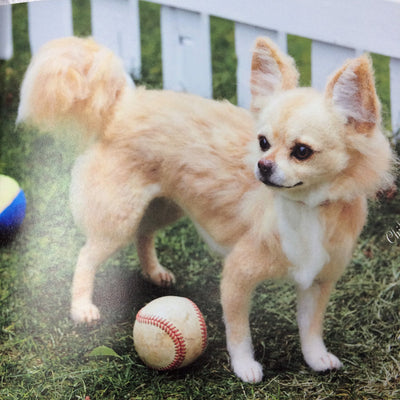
[311, 305]
[237, 286]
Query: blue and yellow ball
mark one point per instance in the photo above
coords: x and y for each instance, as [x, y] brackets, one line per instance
[12, 207]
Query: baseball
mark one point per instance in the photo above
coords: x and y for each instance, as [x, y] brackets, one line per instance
[169, 333]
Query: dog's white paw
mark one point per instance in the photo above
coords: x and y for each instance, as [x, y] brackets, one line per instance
[248, 371]
[161, 277]
[84, 312]
[323, 362]
[242, 358]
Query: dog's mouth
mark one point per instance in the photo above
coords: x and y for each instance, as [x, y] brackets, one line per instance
[272, 184]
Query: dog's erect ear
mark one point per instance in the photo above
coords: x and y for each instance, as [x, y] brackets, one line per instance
[352, 91]
[271, 71]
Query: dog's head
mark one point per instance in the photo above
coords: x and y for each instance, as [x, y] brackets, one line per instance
[317, 145]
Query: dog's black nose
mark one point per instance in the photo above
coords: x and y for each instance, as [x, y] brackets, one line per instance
[265, 167]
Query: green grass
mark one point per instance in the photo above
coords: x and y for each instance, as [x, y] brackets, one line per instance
[45, 356]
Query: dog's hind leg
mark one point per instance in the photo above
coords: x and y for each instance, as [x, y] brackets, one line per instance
[161, 212]
[311, 305]
[108, 202]
[100, 245]
[92, 254]
[113, 229]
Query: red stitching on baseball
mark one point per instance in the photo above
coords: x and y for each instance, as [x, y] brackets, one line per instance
[203, 326]
[172, 331]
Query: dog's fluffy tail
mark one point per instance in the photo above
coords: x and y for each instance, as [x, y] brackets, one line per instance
[72, 80]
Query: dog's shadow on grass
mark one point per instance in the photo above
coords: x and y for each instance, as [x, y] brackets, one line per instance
[121, 293]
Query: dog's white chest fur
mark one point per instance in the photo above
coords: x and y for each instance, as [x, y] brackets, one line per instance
[302, 237]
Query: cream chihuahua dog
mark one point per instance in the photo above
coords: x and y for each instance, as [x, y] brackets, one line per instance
[279, 192]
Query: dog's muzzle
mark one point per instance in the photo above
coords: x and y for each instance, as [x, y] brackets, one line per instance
[265, 173]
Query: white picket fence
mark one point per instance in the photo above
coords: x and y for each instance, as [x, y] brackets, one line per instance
[339, 29]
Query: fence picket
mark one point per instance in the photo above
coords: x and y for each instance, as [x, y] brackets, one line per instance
[395, 95]
[325, 59]
[186, 51]
[245, 36]
[6, 41]
[117, 27]
[48, 20]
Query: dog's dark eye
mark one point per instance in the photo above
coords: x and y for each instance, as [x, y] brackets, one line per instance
[264, 144]
[302, 152]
